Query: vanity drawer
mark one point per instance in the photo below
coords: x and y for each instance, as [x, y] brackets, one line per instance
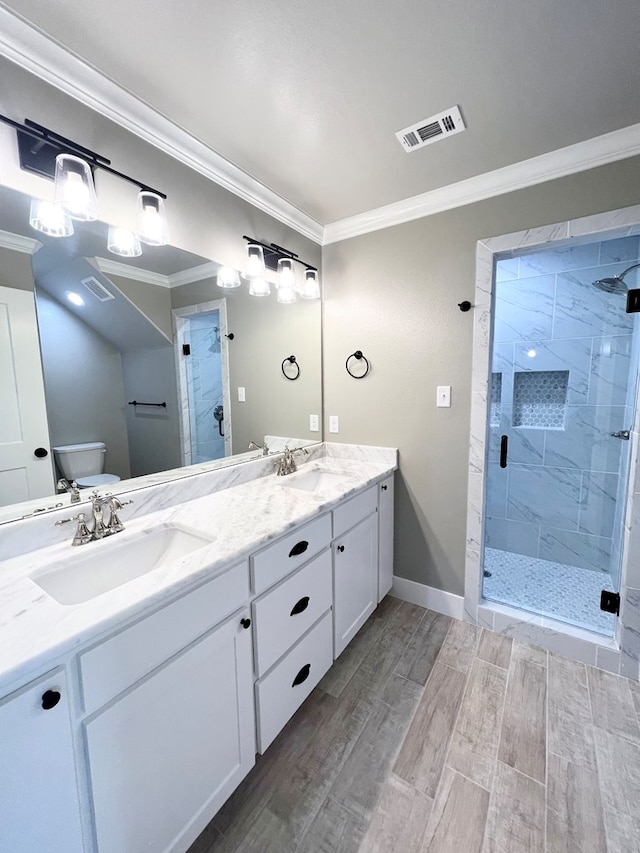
[348, 514]
[283, 614]
[115, 664]
[280, 559]
[284, 689]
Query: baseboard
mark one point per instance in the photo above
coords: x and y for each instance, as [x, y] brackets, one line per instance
[428, 596]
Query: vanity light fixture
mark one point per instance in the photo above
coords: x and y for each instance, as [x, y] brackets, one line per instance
[259, 287]
[49, 218]
[72, 166]
[261, 256]
[123, 242]
[227, 277]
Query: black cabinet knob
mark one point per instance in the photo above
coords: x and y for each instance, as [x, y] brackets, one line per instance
[50, 699]
[384, 488]
[246, 623]
[41, 452]
[341, 548]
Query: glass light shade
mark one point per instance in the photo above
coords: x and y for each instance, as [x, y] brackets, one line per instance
[50, 218]
[286, 295]
[259, 287]
[123, 242]
[227, 277]
[311, 286]
[74, 189]
[152, 219]
[255, 262]
[286, 275]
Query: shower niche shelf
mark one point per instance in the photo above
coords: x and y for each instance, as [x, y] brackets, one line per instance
[495, 403]
[540, 398]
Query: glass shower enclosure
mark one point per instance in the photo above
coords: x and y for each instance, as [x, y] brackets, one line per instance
[563, 383]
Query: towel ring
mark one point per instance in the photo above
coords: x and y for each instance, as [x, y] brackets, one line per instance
[292, 360]
[360, 357]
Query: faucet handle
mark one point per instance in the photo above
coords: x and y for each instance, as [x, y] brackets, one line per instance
[83, 534]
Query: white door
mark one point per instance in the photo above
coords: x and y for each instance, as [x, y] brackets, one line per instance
[23, 417]
[39, 808]
[166, 755]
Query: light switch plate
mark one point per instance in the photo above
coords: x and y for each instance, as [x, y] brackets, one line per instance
[241, 395]
[334, 423]
[443, 399]
[314, 423]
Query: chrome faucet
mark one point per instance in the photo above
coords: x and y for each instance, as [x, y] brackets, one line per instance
[98, 529]
[264, 448]
[287, 463]
[71, 487]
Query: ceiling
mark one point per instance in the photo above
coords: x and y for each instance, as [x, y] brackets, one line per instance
[306, 96]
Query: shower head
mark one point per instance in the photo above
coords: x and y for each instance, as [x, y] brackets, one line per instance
[615, 284]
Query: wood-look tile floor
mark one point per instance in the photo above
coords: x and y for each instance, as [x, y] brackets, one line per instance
[429, 735]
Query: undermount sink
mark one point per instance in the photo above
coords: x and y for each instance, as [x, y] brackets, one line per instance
[316, 480]
[90, 570]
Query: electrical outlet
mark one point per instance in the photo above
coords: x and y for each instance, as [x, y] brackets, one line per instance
[443, 397]
[334, 423]
[241, 395]
[314, 423]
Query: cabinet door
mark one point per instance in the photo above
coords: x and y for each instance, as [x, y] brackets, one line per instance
[385, 537]
[355, 580]
[166, 755]
[38, 793]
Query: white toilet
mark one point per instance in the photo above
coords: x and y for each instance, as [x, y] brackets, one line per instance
[84, 463]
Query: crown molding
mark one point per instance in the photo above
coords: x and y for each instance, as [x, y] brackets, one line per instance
[199, 273]
[109, 267]
[598, 151]
[19, 243]
[39, 54]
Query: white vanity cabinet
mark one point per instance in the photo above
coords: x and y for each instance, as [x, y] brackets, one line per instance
[39, 808]
[385, 536]
[164, 754]
[355, 566]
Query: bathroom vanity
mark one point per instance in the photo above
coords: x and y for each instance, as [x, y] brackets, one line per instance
[130, 716]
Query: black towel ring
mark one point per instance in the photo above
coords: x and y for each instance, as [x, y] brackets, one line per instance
[358, 355]
[292, 360]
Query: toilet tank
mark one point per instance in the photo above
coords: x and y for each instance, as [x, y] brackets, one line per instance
[80, 460]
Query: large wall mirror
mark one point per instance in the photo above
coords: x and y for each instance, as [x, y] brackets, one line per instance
[148, 356]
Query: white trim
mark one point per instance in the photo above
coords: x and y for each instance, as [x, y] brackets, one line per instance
[199, 273]
[608, 148]
[36, 52]
[19, 243]
[109, 267]
[428, 596]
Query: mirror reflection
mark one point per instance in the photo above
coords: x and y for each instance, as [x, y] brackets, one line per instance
[119, 368]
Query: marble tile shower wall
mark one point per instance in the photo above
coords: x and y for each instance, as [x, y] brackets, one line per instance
[557, 497]
[204, 383]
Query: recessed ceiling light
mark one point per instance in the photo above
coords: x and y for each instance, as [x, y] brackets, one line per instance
[532, 353]
[74, 298]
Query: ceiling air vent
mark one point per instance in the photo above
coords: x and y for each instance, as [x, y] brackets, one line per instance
[97, 289]
[432, 129]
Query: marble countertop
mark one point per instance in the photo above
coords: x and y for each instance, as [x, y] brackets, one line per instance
[36, 631]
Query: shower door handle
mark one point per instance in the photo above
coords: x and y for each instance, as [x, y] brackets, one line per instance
[504, 447]
[623, 434]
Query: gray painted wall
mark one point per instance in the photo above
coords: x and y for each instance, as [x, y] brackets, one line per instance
[154, 434]
[15, 269]
[265, 333]
[83, 384]
[152, 300]
[394, 294]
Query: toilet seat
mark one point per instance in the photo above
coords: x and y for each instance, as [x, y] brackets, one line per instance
[95, 481]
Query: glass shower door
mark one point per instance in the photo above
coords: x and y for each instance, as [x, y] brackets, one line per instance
[562, 400]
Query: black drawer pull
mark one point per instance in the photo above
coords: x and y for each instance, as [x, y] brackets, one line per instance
[50, 699]
[299, 548]
[504, 446]
[300, 606]
[302, 675]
